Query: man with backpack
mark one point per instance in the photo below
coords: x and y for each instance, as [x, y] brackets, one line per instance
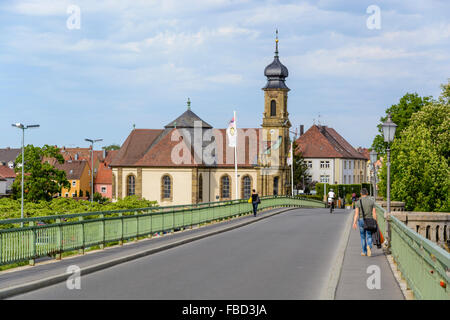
[365, 216]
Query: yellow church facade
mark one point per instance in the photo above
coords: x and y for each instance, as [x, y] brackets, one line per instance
[189, 161]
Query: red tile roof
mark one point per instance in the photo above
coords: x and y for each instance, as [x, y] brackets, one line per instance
[325, 142]
[6, 172]
[110, 155]
[73, 168]
[136, 145]
[153, 148]
[104, 174]
[365, 152]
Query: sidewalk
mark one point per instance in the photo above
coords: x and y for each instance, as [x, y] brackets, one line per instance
[353, 280]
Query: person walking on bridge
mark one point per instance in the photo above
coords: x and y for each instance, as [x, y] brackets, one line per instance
[365, 209]
[255, 201]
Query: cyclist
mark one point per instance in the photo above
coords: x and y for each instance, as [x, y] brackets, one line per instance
[331, 196]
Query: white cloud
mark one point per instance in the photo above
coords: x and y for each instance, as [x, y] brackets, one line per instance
[231, 79]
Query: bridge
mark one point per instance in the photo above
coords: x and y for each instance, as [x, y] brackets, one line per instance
[293, 249]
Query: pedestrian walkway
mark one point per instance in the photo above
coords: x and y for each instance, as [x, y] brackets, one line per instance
[357, 269]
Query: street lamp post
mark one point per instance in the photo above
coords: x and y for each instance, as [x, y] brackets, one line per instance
[292, 158]
[373, 159]
[389, 128]
[92, 141]
[23, 127]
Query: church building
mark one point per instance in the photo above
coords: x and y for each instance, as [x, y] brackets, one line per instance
[189, 161]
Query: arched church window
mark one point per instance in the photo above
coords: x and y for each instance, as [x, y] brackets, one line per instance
[131, 185]
[273, 108]
[166, 187]
[225, 187]
[246, 187]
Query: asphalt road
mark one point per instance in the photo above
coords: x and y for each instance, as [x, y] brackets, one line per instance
[287, 256]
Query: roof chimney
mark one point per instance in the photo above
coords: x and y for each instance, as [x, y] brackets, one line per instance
[302, 128]
[104, 153]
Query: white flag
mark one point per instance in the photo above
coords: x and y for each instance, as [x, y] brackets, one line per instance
[232, 133]
[289, 158]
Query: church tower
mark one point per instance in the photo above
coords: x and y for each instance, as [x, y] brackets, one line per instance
[276, 127]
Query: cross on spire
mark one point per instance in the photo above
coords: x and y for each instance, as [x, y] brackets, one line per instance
[276, 43]
[189, 104]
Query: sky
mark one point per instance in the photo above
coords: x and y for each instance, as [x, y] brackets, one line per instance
[137, 62]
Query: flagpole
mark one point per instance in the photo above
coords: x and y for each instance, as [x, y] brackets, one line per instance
[235, 157]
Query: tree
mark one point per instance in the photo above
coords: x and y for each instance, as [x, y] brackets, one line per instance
[401, 114]
[420, 172]
[41, 180]
[300, 168]
[112, 147]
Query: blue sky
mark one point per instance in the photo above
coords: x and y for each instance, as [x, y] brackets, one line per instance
[137, 62]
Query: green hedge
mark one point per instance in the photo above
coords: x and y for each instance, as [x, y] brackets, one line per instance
[311, 196]
[10, 208]
[342, 190]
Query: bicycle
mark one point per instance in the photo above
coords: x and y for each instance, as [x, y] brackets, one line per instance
[331, 204]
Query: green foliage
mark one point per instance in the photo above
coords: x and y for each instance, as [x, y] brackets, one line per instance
[348, 198]
[339, 189]
[10, 208]
[420, 174]
[311, 196]
[41, 180]
[112, 147]
[401, 114]
[99, 198]
[300, 168]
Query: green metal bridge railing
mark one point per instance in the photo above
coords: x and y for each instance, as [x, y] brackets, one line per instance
[424, 265]
[69, 232]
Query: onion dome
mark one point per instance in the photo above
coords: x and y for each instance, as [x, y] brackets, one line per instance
[276, 72]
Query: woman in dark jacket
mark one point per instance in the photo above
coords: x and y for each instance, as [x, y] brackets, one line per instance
[255, 201]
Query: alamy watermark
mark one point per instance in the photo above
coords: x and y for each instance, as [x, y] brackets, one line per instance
[74, 20]
[255, 147]
[374, 280]
[374, 20]
[73, 282]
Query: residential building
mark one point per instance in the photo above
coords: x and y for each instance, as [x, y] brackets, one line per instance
[366, 154]
[8, 157]
[330, 158]
[77, 172]
[7, 176]
[104, 176]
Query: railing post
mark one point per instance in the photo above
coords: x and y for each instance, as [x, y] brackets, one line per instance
[59, 239]
[81, 251]
[150, 235]
[121, 229]
[173, 221]
[32, 238]
[137, 226]
[102, 245]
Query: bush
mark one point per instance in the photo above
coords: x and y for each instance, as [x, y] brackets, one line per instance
[10, 208]
[340, 189]
[311, 196]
